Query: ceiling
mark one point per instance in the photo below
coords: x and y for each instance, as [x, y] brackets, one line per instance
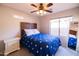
[26, 7]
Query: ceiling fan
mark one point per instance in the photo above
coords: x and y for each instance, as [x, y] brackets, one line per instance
[41, 8]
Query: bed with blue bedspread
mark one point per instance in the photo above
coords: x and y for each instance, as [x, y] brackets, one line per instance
[41, 44]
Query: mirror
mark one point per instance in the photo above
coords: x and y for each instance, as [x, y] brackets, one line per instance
[73, 32]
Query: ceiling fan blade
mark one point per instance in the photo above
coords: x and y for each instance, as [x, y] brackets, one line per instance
[50, 4]
[48, 11]
[34, 11]
[33, 5]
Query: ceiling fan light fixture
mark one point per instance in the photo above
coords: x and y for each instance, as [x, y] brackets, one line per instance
[41, 12]
[42, 9]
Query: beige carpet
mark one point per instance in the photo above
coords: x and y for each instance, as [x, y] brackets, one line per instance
[25, 52]
[21, 52]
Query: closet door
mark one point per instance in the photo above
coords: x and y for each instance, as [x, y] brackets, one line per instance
[54, 27]
[64, 31]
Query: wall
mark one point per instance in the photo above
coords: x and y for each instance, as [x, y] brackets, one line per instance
[73, 26]
[45, 22]
[9, 25]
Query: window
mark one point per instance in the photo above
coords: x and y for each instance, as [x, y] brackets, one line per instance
[54, 25]
[60, 26]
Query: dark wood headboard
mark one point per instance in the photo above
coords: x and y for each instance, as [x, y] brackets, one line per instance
[25, 25]
[73, 32]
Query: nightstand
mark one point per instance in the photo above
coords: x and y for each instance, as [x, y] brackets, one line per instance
[11, 45]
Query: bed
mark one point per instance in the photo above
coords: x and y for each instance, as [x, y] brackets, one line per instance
[39, 44]
[72, 42]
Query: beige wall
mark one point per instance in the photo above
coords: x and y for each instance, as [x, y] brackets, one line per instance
[10, 26]
[44, 22]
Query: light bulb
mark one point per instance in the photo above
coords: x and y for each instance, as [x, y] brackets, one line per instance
[44, 12]
[41, 11]
[37, 12]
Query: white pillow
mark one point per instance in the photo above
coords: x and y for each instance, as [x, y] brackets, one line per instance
[29, 32]
[36, 31]
[72, 36]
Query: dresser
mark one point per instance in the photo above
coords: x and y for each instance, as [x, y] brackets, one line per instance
[11, 45]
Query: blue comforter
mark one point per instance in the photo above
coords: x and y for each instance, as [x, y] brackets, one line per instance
[72, 42]
[41, 44]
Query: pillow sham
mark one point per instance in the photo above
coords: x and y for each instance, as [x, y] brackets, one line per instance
[36, 31]
[31, 31]
[28, 32]
[72, 36]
